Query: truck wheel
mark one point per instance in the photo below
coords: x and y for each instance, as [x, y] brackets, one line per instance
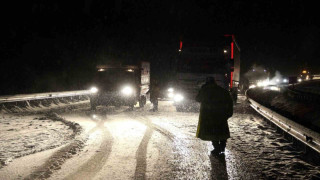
[142, 101]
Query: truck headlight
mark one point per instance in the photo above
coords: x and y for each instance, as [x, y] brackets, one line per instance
[127, 90]
[94, 90]
[178, 97]
[170, 90]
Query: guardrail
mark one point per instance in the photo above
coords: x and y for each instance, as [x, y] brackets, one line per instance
[308, 137]
[39, 96]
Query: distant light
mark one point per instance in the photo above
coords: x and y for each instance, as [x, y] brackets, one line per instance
[263, 83]
[225, 51]
[170, 95]
[265, 70]
[299, 80]
[252, 86]
[285, 80]
[278, 80]
[259, 84]
[179, 50]
[94, 90]
[94, 116]
[100, 70]
[307, 78]
[170, 89]
[253, 70]
[273, 88]
[130, 70]
[304, 72]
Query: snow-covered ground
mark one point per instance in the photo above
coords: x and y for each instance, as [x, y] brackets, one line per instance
[31, 129]
[140, 144]
[22, 135]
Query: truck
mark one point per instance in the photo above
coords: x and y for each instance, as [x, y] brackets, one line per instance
[117, 84]
[197, 60]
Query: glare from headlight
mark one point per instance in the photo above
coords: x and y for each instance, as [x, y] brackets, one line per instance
[252, 86]
[94, 90]
[170, 90]
[274, 88]
[127, 90]
[285, 80]
[178, 98]
[263, 83]
[170, 95]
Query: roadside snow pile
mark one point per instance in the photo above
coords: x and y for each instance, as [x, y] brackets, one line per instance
[306, 114]
[22, 135]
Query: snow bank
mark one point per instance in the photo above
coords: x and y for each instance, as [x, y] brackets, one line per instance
[22, 135]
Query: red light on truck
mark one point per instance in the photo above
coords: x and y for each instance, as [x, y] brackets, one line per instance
[232, 50]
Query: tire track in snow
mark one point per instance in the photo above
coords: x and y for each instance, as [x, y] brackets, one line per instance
[182, 159]
[90, 168]
[141, 154]
[58, 158]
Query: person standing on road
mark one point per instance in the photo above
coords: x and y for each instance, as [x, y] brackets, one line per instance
[215, 109]
[154, 95]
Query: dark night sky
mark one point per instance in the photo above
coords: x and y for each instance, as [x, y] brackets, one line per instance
[61, 39]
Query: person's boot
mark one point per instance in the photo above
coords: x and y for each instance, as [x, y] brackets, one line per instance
[215, 152]
[216, 147]
[223, 146]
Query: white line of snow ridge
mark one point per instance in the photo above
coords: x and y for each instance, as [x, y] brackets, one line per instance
[37, 96]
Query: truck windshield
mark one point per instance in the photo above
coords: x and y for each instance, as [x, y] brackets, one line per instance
[202, 60]
[114, 76]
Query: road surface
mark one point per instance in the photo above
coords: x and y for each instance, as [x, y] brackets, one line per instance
[117, 143]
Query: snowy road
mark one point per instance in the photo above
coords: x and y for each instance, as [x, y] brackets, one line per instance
[140, 144]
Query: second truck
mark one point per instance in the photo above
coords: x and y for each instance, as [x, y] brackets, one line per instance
[218, 58]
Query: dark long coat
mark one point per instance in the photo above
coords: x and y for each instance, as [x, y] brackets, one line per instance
[216, 107]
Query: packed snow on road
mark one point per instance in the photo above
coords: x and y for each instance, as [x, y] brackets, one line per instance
[117, 143]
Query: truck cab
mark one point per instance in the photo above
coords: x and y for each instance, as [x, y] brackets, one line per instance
[120, 85]
[196, 61]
